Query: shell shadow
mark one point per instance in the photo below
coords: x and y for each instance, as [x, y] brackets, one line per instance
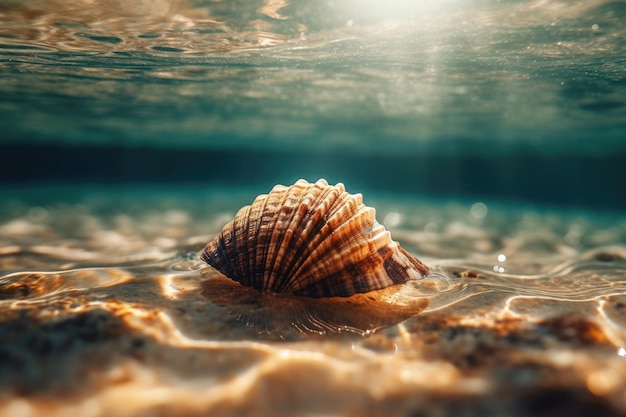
[287, 316]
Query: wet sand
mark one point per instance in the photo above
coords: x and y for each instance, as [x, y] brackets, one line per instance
[104, 311]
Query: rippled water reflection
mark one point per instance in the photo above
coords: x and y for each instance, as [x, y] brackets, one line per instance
[537, 75]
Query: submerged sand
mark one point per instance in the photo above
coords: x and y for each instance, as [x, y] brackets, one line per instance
[102, 313]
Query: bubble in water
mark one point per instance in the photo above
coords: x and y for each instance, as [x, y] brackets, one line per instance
[392, 219]
[479, 210]
[574, 234]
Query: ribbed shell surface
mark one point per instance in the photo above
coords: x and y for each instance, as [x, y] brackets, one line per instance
[313, 240]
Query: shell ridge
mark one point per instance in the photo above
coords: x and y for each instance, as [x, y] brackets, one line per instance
[276, 199]
[363, 278]
[301, 227]
[331, 203]
[246, 247]
[211, 253]
[228, 242]
[322, 183]
[226, 267]
[290, 212]
[353, 269]
[216, 252]
[264, 236]
[398, 266]
[329, 222]
[253, 235]
[324, 250]
[310, 234]
[238, 236]
[417, 264]
[275, 236]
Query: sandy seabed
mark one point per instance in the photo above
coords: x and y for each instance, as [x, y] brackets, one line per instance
[104, 311]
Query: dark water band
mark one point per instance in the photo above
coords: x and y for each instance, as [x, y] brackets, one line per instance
[586, 181]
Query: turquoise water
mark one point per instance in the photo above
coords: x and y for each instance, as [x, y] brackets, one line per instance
[488, 135]
[520, 100]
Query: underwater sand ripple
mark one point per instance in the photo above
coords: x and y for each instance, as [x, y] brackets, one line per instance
[517, 317]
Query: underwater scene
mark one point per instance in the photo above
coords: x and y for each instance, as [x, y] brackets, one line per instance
[312, 208]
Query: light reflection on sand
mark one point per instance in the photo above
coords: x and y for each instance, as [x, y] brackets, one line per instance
[136, 335]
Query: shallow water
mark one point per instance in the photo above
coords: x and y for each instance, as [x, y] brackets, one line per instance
[487, 134]
[514, 100]
[490, 76]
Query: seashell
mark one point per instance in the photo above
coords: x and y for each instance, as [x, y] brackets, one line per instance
[313, 240]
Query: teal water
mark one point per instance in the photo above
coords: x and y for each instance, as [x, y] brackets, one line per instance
[519, 100]
[488, 135]
[481, 76]
[510, 89]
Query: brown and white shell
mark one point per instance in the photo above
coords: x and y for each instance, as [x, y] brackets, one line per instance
[312, 240]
